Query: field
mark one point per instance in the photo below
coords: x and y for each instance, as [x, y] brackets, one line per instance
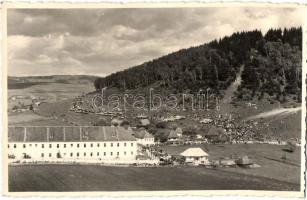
[267, 156]
[101, 178]
[53, 91]
[30, 118]
[51, 88]
[59, 89]
[17, 118]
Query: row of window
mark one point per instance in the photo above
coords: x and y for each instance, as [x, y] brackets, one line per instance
[84, 154]
[148, 139]
[71, 145]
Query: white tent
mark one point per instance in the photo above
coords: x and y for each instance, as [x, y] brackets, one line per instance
[194, 152]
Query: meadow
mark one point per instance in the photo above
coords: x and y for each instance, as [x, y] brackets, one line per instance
[265, 155]
[105, 178]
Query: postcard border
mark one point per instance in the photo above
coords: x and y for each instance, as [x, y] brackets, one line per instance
[9, 5]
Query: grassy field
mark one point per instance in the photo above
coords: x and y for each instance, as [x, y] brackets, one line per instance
[262, 154]
[59, 89]
[17, 118]
[53, 91]
[30, 118]
[101, 178]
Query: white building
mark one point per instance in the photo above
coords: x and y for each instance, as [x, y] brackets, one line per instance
[71, 143]
[195, 156]
[143, 137]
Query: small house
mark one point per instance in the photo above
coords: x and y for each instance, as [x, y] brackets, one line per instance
[172, 136]
[143, 137]
[195, 156]
[244, 161]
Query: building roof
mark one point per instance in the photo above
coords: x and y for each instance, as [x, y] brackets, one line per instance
[142, 133]
[69, 134]
[173, 134]
[194, 152]
[145, 122]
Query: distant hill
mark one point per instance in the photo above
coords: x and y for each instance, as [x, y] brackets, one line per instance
[272, 67]
[51, 77]
[15, 82]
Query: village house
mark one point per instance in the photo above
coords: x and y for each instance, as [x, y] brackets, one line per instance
[103, 143]
[195, 156]
[175, 135]
[143, 137]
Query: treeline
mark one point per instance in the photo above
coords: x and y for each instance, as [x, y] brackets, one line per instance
[216, 64]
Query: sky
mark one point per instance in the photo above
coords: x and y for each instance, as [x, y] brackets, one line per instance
[103, 41]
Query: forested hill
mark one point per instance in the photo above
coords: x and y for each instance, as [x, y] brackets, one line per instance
[272, 66]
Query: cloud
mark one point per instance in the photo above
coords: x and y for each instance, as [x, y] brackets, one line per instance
[103, 41]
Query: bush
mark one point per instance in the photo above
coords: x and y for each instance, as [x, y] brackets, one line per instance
[161, 125]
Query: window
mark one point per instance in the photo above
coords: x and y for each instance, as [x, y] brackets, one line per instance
[58, 146]
[97, 153]
[111, 153]
[111, 144]
[84, 154]
[71, 154]
[91, 144]
[43, 145]
[42, 155]
[77, 154]
[50, 145]
[125, 144]
[84, 144]
[8, 146]
[15, 145]
[91, 154]
[132, 144]
[117, 153]
[118, 144]
[104, 153]
[71, 144]
[35, 145]
[131, 152]
[24, 145]
[64, 145]
[124, 152]
[97, 144]
[104, 144]
[78, 145]
[30, 145]
[50, 154]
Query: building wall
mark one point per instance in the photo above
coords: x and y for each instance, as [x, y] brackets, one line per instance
[197, 160]
[146, 141]
[123, 150]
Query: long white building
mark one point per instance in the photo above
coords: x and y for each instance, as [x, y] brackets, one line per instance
[71, 143]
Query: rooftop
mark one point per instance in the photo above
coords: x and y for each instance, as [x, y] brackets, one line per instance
[194, 152]
[69, 134]
[142, 133]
